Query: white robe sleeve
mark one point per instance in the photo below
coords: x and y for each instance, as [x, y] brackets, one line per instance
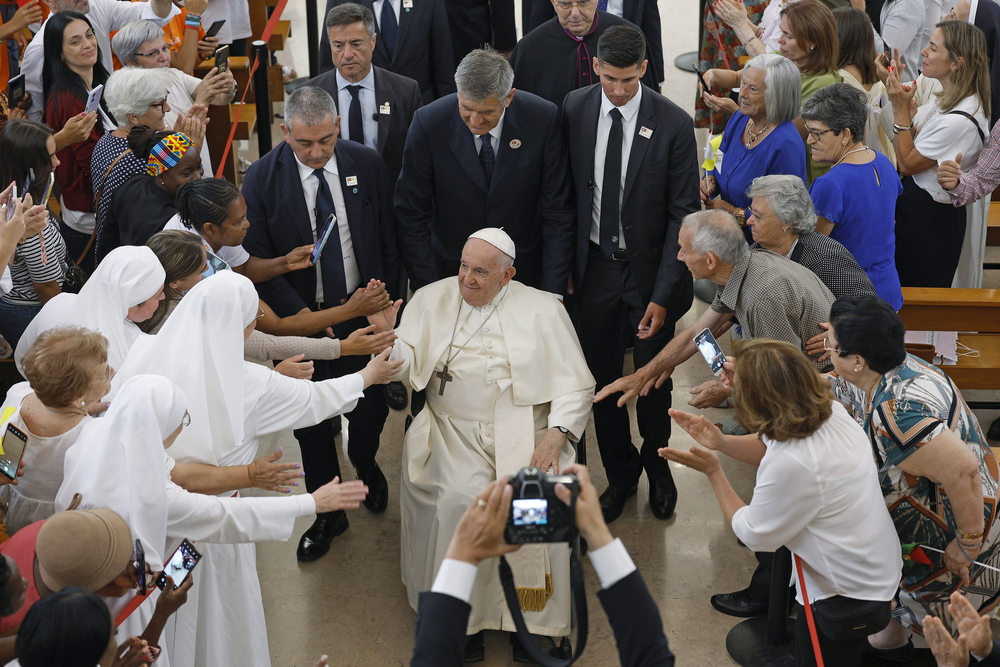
[287, 403]
[233, 520]
[571, 411]
[401, 350]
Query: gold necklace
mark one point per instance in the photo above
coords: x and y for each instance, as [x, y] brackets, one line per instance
[754, 135]
[856, 150]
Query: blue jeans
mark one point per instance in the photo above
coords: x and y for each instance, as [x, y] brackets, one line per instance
[14, 319]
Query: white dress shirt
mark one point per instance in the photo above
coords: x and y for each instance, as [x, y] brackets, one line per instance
[494, 136]
[630, 118]
[368, 110]
[310, 187]
[105, 16]
[616, 7]
[377, 9]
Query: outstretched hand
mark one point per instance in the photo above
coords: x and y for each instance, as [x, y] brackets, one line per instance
[695, 458]
[385, 319]
[267, 474]
[295, 367]
[337, 495]
[703, 431]
[380, 370]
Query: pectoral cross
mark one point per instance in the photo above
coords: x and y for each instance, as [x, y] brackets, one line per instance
[444, 376]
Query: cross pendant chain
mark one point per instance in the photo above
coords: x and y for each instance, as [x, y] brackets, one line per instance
[444, 376]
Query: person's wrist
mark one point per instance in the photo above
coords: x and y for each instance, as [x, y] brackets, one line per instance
[458, 551]
[597, 537]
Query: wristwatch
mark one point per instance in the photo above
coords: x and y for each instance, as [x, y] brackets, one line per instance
[565, 431]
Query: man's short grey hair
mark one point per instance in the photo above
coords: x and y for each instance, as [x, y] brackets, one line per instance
[782, 86]
[127, 41]
[789, 200]
[131, 90]
[716, 232]
[309, 105]
[350, 13]
[483, 74]
[841, 107]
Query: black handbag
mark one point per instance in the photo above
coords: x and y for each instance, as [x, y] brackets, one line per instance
[843, 619]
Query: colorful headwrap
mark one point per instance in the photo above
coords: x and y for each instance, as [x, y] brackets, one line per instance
[167, 153]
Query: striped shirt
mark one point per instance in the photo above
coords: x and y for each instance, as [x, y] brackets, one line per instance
[773, 297]
[28, 267]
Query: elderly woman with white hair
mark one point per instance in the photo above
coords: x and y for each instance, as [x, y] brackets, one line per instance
[760, 137]
[141, 44]
[135, 97]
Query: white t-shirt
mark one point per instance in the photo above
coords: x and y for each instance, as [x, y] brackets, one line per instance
[180, 98]
[5, 281]
[941, 136]
[231, 255]
[820, 497]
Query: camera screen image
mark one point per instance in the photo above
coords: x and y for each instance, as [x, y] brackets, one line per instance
[181, 564]
[8, 466]
[531, 512]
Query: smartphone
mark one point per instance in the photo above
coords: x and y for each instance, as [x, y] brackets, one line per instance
[701, 78]
[94, 98]
[321, 240]
[709, 348]
[222, 58]
[214, 29]
[11, 202]
[48, 188]
[181, 562]
[140, 568]
[11, 451]
[15, 91]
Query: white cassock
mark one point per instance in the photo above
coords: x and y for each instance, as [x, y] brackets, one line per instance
[224, 625]
[513, 379]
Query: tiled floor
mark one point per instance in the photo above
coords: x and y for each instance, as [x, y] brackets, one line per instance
[351, 604]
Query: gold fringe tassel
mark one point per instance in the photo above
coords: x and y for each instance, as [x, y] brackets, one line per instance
[534, 599]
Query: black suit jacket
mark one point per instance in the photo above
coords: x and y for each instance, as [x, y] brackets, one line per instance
[643, 13]
[478, 22]
[442, 196]
[280, 221]
[423, 47]
[403, 97]
[634, 617]
[661, 187]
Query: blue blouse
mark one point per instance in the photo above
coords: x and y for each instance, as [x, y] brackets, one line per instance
[860, 200]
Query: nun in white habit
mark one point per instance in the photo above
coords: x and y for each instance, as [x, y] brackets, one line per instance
[231, 403]
[124, 289]
[119, 463]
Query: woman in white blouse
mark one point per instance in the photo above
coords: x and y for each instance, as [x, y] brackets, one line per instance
[816, 493]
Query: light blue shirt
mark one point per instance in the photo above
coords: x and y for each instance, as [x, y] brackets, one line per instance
[368, 108]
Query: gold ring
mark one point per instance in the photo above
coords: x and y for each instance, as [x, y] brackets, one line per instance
[481, 502]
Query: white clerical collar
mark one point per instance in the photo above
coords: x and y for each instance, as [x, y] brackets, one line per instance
[627, 110]
[306, 171]
[367, 82]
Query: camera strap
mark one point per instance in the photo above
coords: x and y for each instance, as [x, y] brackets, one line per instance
[579, 595]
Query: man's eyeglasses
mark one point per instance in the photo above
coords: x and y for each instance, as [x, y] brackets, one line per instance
[817, 134]
[579, 4]
[155, 52]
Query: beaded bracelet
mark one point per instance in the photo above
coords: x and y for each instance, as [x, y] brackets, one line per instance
[192, 20]
[962, 549]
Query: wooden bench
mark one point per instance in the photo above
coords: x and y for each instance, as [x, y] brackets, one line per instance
[975, 314]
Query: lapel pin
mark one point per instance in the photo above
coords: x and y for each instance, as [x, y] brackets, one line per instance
[384, 109]
[645, 132]
[515, 143]
[352, 180]
[407, 5]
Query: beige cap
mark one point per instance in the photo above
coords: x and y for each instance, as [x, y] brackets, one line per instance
[497, 238]
[87, 548]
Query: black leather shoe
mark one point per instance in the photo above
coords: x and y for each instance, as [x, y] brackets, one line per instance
[613, 500]
[315, 542]
[396, 396]
[662, 495]
[561, 650]
[739, 604]
[901, 654]
[378, 490]
[475, 648]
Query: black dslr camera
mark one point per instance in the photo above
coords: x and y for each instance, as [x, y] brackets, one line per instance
[536, 514]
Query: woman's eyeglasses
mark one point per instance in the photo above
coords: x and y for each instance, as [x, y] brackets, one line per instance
[155, 52]
[186, 421]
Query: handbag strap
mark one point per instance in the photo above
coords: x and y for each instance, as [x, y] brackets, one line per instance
[97, 203]
[813, 634]
[982, 137]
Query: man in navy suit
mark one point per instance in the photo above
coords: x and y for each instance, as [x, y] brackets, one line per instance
[635, 167]
[444, 610]
[414, 40]
[290, 194]
[486, 157]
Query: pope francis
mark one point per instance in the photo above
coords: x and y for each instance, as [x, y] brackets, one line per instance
[507, 386]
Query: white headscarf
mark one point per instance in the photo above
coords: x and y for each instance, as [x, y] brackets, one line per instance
[118, 461]
[128, 276]
[200, 347]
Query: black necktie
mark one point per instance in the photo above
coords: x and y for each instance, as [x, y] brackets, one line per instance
[611, 187]
[354, 124]
[332, 257]
[487, 157]
[388, 27]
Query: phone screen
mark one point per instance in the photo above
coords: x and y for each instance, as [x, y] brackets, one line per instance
[15, 91]
[222, 58]
[94, 98]
[11, 451]
[10, 201]
[214, 29]
[180, 565]
[140, 567]
[710, 349]
[324, 237]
